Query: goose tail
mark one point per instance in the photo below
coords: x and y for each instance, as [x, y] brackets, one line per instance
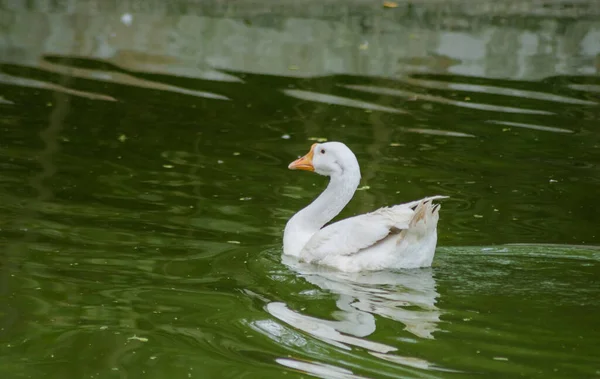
[427, 213]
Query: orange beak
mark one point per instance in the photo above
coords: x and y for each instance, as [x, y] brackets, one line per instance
[305, 163]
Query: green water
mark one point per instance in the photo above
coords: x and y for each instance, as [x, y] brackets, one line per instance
[140, 228]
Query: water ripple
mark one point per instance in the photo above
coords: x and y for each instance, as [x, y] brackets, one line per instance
[413, 96]
[338, 100]
[585, 87]
[493, 90]
[320, 370]
[2, 99]
[530, 126]
[31, 83]
[437, 132]
[159, 254]
[123, 78]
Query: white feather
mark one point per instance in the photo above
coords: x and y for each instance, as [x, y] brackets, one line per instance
[401, 236]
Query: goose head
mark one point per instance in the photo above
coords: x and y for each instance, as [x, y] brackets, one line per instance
[329, 159]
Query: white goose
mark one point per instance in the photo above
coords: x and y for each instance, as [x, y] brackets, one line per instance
[401, 236]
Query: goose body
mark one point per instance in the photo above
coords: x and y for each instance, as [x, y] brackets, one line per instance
[400, 236]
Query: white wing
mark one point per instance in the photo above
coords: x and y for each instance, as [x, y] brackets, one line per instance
[349, 236]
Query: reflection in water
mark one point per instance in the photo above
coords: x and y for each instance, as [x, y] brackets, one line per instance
[320, 370]
[3, 100]
[338, 100]
[328, 330]
[413, 96]
[31, 83]
[530, 126]
[437, 132]
[585, 87]
[119, 75]
[408, 297]
[489, 89]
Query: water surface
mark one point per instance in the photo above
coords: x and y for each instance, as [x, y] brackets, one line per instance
[142, 215]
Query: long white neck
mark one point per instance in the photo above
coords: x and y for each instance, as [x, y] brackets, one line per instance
[323, 209]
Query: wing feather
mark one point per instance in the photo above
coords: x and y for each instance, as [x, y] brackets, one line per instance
[351, 235]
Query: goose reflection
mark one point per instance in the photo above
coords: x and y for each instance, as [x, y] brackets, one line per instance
[408, 297]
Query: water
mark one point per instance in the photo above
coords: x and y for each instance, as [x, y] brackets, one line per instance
[142, 212]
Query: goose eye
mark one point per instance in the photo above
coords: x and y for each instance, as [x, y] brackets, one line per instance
[322, 151]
